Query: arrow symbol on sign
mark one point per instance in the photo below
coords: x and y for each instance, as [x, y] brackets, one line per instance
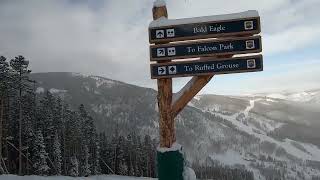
[160, 33]
[161, 51]
[162, 70]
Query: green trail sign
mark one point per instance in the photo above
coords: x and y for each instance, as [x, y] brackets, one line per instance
[207, 66]
[245, 23]
[205, 48]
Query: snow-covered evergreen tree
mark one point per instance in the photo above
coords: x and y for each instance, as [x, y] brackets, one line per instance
[123, 168]
[20, 70]
[97, 168]
[4, 83]
[57, 154]
[40, 155]
[85, 169]
[74, 167]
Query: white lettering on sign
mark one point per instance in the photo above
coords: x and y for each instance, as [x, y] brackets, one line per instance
[204, 67]
[200, 29]
[201, 49]
[191, 50]
[205, 29]
[226, 47]
[207, 48]
[227, 66]
[188, 68]
[217, 28]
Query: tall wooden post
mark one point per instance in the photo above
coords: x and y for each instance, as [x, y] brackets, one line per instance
[171, 163]
[166, 121]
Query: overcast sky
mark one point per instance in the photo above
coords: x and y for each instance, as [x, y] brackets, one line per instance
[110, 38]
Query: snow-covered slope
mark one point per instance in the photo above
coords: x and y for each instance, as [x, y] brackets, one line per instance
[14, 177]
[266, 148]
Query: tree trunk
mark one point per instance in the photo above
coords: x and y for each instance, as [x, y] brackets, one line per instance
[1, 120]
[20, 125]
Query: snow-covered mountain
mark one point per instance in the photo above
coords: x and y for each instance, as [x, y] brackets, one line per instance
[310, 96]
[273, 137]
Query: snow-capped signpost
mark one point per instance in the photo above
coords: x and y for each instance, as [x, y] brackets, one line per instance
[233, 33]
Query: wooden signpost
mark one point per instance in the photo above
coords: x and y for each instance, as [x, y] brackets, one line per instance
[233, 33]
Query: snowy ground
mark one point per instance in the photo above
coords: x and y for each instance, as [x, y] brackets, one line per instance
[14, 177]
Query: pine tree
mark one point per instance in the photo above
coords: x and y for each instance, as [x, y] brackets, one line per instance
[66, 116]
[97, 168]
[88, 135]
[40, 155]
[4, 81]
[73, 134]
[57, 154]
[86, 166]
[29, 116]
[74, 167]
[20, 67]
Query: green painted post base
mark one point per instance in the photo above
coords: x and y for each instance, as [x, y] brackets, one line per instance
[170, 165]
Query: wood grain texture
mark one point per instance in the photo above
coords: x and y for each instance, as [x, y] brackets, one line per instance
[166, 121]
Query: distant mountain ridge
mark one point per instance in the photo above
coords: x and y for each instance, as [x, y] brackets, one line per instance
[307, 96]
[261, 133]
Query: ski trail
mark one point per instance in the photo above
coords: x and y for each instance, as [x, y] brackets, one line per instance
[313, 153]
[249, 108]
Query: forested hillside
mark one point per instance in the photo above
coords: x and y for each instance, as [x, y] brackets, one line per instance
[40, 134]
[81, 125]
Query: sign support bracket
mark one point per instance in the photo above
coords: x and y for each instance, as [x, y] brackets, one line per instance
[188, 92]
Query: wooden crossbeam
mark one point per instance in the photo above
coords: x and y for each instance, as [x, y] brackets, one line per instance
[185, 95]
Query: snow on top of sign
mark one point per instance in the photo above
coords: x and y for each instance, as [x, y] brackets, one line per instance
[171, 22]
[159, 3]
[174, 147]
